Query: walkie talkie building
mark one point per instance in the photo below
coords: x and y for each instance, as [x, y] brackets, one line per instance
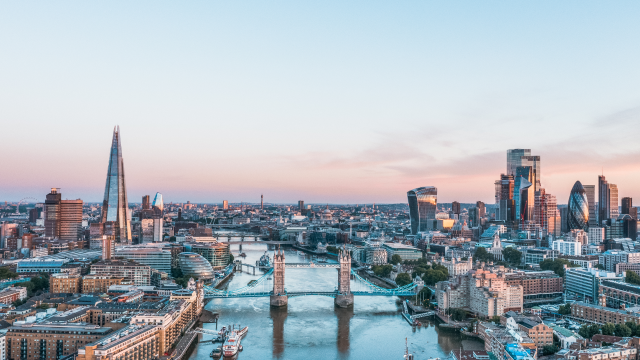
[423, 202]
[115, 206]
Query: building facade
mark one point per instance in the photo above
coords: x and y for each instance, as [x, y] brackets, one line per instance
[65, 283]
[423, 203]
[130, 271]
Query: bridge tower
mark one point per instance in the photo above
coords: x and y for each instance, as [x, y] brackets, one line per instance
[279, 296]
[344, 298]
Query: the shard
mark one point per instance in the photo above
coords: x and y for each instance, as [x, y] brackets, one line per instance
[115, 210]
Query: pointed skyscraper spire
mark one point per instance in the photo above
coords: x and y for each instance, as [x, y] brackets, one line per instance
[115, 209]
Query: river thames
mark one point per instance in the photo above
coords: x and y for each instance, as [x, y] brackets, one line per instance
[310, 327]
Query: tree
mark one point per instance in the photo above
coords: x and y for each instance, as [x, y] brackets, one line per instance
[608, 329]
[431, 277]
[564, 309]
[396, 259]
[481, 254]
[599, 266]
[231, 258]
[550, 349]
[587, 331]
[632, 278]
[43, 306]
[442, 268]
[556, 265]
[403, 279]
[623, 330]
[172, 239]
[5, 273]
[425, 293]
[457, 314]
[632, 326]
[382, 270]
[512, 255]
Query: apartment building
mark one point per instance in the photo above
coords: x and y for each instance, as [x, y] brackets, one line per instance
[610, 258]
[65, 283]
[130, 271]
[48, 340]
[131, 342]
[99, 283]
[456, 266]
[537, 286]
[602, 315]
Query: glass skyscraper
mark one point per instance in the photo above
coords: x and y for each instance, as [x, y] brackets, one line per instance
[423, 202]
[578, 208]
[603, 199]
[115, 209]
[514, 159]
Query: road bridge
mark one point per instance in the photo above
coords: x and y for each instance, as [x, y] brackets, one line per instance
[271, 284]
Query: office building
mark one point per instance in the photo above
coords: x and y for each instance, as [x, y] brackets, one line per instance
[216, 253]
[406, 252]
[523, 194]
[585, 283]
[596, 235]
[610, 258]
[567, 247]
[603, 200]
[146, 202]
[618, 294]
[534, 256]
[65, 283]
[423, 203]
[614, 210]
[628, 209]
[507, 211]
[193, 264]
[578, 208]
[130, 271]
[155, 258]
[225, 204]
[455, 208]
[514, 159]
[115, 209]
[301, 206]
[590, 190]
[62, 218]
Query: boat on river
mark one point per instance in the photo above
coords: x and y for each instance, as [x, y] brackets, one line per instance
[232, 344]
[265, 260]
[216, 353]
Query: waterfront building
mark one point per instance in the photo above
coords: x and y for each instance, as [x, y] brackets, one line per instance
[99, 283]
[65, 283]
[155, 258]
[586, 282]
[567, 247]
[423, 203]
[406, 252]
[484, 291]
[62, 218]
[216, 253]
[50, 340]
[115, 209]
[131, 342]
[193, 264]
[610, 258]
[578, 208]
[129, 270]
[601, 314]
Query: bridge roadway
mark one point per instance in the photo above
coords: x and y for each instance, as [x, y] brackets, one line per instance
[290, 294]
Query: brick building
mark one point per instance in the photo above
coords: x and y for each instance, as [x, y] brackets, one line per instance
[99, 283]
[537, 286]
[65, 283]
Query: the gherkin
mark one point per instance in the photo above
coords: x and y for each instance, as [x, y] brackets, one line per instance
[578, 212]
[115, 206]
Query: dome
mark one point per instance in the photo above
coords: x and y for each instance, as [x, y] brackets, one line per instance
[578, 210]
[193, 264]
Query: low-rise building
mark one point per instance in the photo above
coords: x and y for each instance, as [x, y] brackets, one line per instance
[585, 283]
[456, 266]
[99, 283]
[537, 255]
[47, 340]
[538, 287]
[65, 283]
[129, 271]
[610, 258]
[131, 342]
[602, 315]
[406, 252]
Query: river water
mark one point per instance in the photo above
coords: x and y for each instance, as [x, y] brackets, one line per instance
[310, 327]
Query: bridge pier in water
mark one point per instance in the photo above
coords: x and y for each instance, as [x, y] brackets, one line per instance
[344, 298]
[278, 297]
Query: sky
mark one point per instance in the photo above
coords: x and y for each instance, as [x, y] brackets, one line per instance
[322, 101]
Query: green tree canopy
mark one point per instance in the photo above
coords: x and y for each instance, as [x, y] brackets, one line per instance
[556, 265]
[512, 255]
[623, 330]
[382, 270]
[403, 279]
[564, 309]
[608, 329]
[431, 277]
[442, 268]
[396, 259]
[587, 331]
[550, 349]
[481, 254]
[632, 278]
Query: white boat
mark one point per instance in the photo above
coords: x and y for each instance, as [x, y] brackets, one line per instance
[232, 344]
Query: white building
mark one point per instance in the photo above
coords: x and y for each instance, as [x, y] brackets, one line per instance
[577, 235]
[567, 247]
[596, 235]
[456, 266]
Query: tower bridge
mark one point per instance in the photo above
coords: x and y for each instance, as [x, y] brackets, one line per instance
[272, 284]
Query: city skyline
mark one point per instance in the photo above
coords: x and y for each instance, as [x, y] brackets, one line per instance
[342, 107]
